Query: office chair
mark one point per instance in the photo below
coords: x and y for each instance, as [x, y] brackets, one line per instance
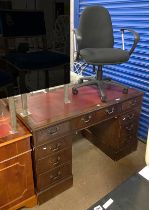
[94, 46]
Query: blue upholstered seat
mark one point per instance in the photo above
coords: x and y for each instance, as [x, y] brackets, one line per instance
[37, 60]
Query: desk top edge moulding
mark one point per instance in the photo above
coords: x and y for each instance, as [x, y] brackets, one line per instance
[110, 126]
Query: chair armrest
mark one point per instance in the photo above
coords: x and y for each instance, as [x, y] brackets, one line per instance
[77, 39]
[136, 38]
[77, 34]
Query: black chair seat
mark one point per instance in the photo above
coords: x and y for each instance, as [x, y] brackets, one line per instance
[101, 56]
[37, 60]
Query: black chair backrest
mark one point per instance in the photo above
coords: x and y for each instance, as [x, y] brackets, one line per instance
[96, 28]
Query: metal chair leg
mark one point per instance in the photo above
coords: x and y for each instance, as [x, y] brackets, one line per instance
[102, 91]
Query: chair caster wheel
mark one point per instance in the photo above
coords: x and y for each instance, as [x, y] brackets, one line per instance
[80, 81]
[107, 79]
[103, 98]
[125, 90]
[74, 91]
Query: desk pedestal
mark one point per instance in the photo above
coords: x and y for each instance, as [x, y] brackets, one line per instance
[114, 142]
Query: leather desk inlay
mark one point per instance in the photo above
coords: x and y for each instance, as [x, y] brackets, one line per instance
[111, 126]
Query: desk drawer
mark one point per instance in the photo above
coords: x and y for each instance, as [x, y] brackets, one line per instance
[14, 149]
[107, 113]
[95, 117]
[54, 190]
[129, 117]
[127, 140]
[132, 103]
[129, 129]
[50, 162]
[53, 147]
[52, 132]
[54, 176]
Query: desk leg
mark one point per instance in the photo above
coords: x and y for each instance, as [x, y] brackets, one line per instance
[12, 110]
[66, 94]
[25, 111]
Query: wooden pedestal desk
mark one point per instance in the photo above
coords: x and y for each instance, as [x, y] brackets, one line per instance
[111, 126]
[16, 176]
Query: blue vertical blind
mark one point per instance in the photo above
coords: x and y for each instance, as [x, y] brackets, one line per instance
[132, 14]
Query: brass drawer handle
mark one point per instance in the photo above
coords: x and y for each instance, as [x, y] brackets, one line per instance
[130, 137]
[87, 119]
[131, 116]
[53, 177]
[133, 102]
[53, 130]
[58, 145]
[130, 128]
[57, 161]
[108, 111]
